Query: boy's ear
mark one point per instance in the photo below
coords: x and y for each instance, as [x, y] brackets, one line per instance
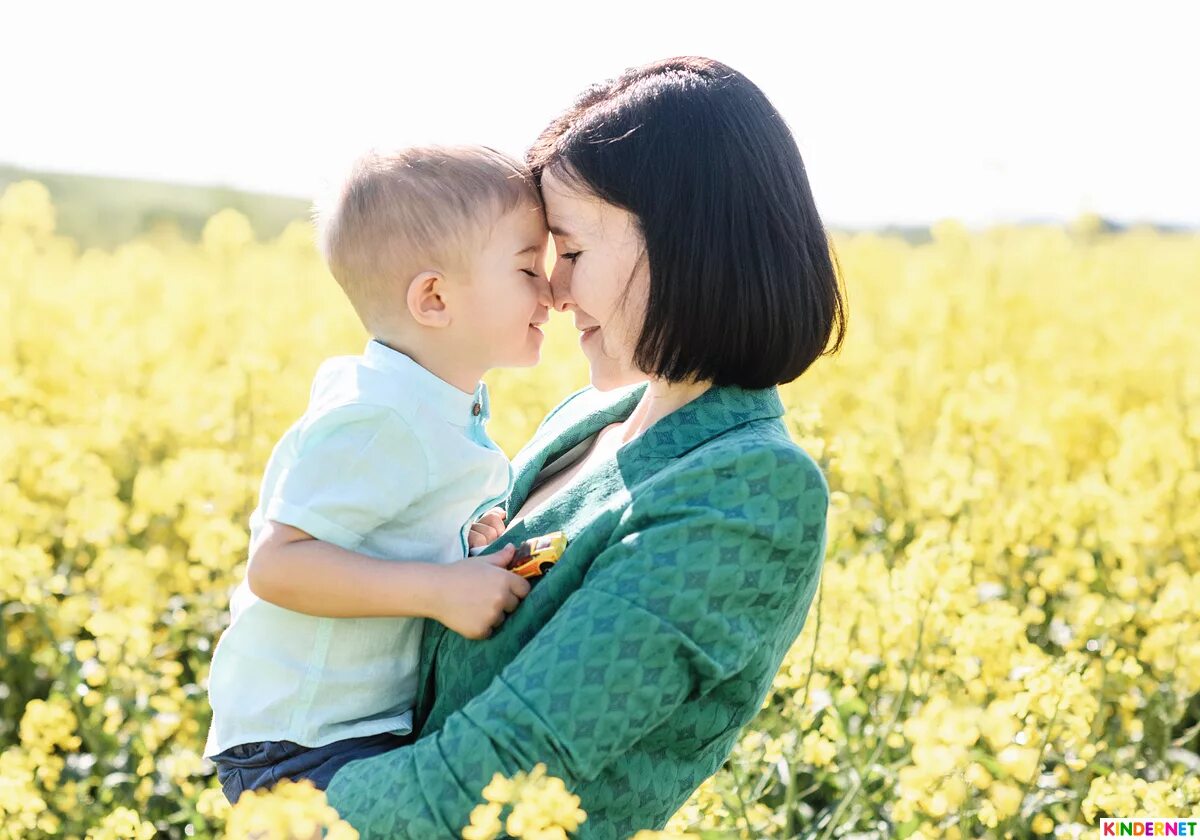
[425, 300]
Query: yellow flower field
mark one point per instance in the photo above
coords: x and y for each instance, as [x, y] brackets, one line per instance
[1006, 641]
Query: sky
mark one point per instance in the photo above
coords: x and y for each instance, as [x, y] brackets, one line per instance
[905, 113]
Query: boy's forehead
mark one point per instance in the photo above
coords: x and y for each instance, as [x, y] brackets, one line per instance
[533, 219]
[521, 230]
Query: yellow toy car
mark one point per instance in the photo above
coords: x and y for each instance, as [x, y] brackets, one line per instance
[538, 555]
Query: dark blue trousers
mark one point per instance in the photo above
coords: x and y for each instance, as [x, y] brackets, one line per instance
[261, 764]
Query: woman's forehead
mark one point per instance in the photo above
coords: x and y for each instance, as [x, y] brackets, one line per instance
[566, 209]
[571, 211]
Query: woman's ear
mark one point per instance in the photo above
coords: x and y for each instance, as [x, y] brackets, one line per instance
[425, 301]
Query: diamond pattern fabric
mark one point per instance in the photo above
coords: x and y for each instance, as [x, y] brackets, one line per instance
[632, 666]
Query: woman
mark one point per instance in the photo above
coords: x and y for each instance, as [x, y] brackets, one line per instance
[699, 274]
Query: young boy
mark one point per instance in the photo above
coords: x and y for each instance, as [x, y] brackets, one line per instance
[362, 524]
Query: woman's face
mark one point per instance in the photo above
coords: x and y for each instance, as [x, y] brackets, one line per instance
[599, 252]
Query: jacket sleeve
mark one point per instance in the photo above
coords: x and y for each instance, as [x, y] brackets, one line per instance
[699, 571]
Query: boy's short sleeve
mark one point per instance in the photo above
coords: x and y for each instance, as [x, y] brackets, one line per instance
[355, 467]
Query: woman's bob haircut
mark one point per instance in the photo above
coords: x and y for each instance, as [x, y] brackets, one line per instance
[743, 289]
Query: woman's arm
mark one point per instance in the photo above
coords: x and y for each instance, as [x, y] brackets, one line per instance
[682, 599]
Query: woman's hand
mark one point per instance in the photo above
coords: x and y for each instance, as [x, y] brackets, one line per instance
[487, 528]
[477, 594]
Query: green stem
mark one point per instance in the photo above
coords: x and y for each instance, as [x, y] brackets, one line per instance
[812, 657]
[737, 789]
[71, 669]
[860, 778]
[789, 803]
[1037, 767]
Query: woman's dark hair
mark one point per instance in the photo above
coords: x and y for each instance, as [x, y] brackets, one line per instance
[742, 285]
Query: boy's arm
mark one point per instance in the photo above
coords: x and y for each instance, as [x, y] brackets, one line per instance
[292, 569]
[354, 468]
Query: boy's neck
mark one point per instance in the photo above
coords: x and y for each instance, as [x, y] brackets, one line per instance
[462, 376]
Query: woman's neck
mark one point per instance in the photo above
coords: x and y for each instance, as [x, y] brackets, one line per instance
[660, 399]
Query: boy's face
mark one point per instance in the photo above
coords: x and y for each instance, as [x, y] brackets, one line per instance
[508, 293]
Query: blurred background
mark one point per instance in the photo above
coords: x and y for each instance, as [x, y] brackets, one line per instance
[134, 114]
[1006, 637]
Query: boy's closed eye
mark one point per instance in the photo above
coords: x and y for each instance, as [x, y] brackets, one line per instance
[533, 251]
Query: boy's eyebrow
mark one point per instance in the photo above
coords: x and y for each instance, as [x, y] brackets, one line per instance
[529, 249]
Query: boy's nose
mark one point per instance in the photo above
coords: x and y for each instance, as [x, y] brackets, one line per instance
[559, 289]
[545, 295]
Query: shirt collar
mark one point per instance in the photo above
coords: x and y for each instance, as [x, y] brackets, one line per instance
[720, 408]
[435, 394]
[716, 411]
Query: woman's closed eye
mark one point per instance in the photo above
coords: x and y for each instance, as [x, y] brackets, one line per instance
[570, 255]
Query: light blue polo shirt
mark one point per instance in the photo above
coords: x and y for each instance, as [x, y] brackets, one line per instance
[388, 460]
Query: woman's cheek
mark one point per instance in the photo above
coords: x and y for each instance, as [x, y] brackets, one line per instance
[578, 289]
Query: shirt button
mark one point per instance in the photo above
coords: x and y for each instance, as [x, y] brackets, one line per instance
[475, 409]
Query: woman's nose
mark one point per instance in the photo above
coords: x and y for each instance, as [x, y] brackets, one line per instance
[560, 288]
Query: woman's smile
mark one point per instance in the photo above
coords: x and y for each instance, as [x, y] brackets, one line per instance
[649, 168]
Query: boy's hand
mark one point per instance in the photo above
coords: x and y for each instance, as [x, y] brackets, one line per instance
[487, 528]
[477, 594]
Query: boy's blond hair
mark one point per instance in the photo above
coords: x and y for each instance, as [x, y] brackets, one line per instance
[401, 212]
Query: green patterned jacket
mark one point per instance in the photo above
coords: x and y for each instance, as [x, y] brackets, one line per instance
[633, 664]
